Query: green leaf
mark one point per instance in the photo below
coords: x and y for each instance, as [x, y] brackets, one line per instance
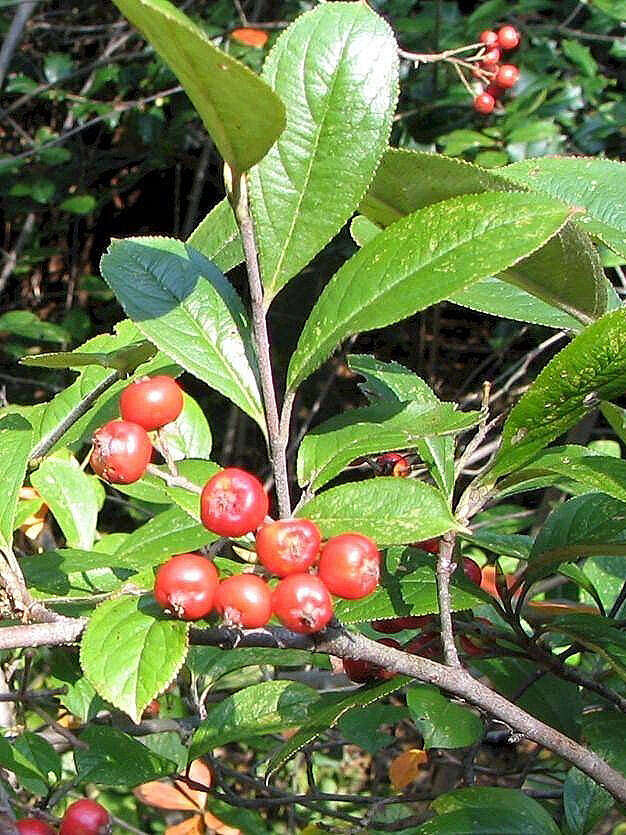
[217, 237]
[512, 809]
[80, 697]
[420, 260]
[590, 369]
[605, 733]
[15, 444]
[577, 463]
[171, 532]
[362, 727]
[328, 715]
[69, 572]
[25, 324]
[409, 180]
[185, 306]
[79, 204]
[593, 524]
[394, 383]
[613, 8]
[598, 635]
[581, 56]
[442, 723]
[390, 510]
[491, 295]
[189, 436]
[585, 802]
[33, 761]
[57, 66]
[254, 711]
[410, 589]
[73, 497]
[242, 115]
[330, 447]
[130, 652]
[616, 416]
[596, 185]
[125, 359]
[499, 298]
[212, 662]
[340, 106]
[116, 759]
[549, 698]
[566, 273]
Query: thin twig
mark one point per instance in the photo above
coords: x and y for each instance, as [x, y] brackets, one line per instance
[444, 570]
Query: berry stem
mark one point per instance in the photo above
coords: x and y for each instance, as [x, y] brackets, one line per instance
[173, 479]
[237, 191]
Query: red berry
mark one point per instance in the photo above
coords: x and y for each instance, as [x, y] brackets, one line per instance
[491, 57]
[186, 585]
[121, 452]
[233, 503]
[472, 571]
[488, 37]
[428, 645]
[484, 103]
[391, 625]
[302, 603]
[507, 76]
[362, 671]
[429, 545]
[350, 565]
[508, 37]
[34, 826]
[85, 817]
[392, 463]
[152, 711]
[288, 546]
[494, 90]
[151, 402]
[244, 600]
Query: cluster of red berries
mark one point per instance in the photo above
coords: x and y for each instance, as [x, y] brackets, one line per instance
[427, 644]
[233, 503]
[85, 817]
[503, 76]
[122, 448]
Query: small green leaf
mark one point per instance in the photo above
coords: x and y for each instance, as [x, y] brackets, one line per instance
[390, 510]
[189, 436]
[442, 723]
[116, 759]
[130, 652]
[330, 447]
[25, 324]
[182, 303]
[254, 711]
[69, 572]
[33, 761]
[512, 809]
[596, 185]
[125, 359]
[217, 237]
[327, 716]
[241, 113]
[15, 445]
[80, 697]
[420, 260]
[339, 110]
[590, 369]
[212, 663]
[409, 180]
[585, 802]
[79, 204]
[589, 525]
[598, 635]
[73, 497]
[168, 533]
[392, 382]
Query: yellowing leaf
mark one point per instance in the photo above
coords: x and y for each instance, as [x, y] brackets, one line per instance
[190, 826]
[405, 767]
[250, 37]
